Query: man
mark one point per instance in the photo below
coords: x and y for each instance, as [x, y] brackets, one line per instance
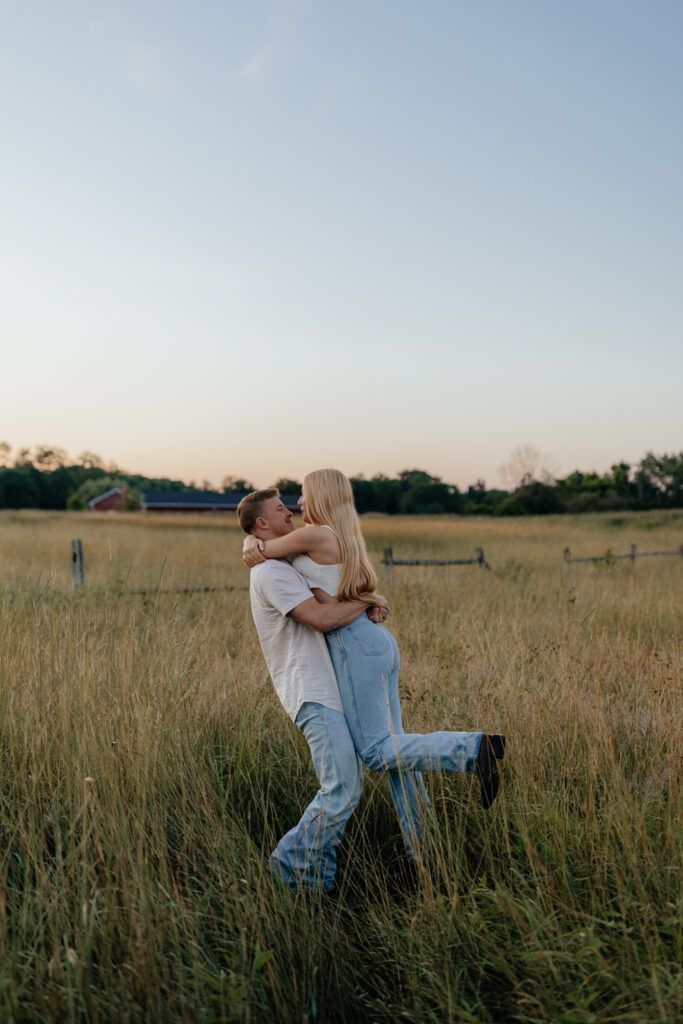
[290, 624]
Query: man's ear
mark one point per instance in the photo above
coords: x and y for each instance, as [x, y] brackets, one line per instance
[261, 523]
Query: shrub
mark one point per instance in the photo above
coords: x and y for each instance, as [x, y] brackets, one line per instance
[534, 499]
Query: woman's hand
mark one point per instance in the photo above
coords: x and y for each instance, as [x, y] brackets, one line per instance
[380, 607]
[251, 552]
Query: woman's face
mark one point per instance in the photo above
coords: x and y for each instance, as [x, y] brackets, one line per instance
[302, 505]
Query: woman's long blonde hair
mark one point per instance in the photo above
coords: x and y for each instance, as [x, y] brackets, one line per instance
[329, 500]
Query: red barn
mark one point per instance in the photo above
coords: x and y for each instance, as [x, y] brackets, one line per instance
[110, 501]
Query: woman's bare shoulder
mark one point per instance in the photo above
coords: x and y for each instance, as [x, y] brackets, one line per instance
[315, 532]
[319, 542]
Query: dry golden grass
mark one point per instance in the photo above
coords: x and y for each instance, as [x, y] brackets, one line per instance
[147, 769]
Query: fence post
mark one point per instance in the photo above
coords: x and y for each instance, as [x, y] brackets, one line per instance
[567, 555]
[483, 564]
[389, 564]
[77, 572]
[634, 548]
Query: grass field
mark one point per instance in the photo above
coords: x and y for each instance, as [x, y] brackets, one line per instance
[147, 769]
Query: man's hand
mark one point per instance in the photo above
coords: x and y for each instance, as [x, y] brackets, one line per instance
[251, 552]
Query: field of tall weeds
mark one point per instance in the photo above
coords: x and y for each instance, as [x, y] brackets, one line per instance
[147, 769]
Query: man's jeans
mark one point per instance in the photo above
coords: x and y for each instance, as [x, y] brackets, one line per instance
[306, 856]
[366, 663]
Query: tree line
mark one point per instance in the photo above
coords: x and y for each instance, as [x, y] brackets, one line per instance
[46, 478]
[656, 482]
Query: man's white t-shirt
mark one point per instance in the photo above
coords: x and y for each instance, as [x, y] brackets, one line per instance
[296, 655]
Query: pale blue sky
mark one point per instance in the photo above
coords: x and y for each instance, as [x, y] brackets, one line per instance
[257, 238]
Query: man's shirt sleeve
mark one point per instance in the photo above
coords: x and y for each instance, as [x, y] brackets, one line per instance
[282, 586]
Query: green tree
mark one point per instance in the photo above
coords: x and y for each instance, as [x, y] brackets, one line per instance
[285, 485]
[533, 499]
[365, 495]
[23, 457]
[56, 486]
[432, 498]
[620, 478]
[387, 494]
[90, 460]
[19, 487]
[47, 458]
[235, 484]
[409, 478]
[667, 473]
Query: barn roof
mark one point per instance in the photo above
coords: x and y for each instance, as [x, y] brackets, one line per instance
[107, 494]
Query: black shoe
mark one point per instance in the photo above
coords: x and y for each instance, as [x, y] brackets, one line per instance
[492, 749]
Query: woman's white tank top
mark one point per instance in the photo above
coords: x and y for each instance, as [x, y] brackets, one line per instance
[326, 577]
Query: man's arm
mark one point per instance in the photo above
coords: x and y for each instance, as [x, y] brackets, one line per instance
[377, 610]
[282, 587]
[332, 615]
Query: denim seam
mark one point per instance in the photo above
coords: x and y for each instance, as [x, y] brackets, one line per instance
[347, 673]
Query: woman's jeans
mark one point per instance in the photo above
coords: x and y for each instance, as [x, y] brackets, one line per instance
[306, 857]
[366, 663]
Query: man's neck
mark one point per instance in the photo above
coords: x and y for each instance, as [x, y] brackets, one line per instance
[264, 535]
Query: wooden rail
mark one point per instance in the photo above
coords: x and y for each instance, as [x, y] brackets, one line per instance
[181, 590]
[632, 555]
[389, 561]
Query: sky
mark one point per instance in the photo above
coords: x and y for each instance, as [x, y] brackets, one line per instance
[260, 238]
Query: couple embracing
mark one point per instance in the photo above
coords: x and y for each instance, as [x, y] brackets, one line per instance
[335, 669]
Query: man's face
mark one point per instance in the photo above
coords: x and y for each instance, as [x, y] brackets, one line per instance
[277, 517]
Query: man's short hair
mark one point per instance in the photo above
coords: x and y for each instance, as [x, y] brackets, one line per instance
[251, 507]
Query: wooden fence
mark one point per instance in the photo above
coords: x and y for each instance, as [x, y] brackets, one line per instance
[77, 568]
[389, 562]
[610, 556]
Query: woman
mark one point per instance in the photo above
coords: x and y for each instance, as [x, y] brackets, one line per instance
[330, 552]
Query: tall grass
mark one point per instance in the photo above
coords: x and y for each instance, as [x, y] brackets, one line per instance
[147, 769]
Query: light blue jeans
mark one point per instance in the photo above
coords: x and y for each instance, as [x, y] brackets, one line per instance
[366, 663]
[306, 857]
